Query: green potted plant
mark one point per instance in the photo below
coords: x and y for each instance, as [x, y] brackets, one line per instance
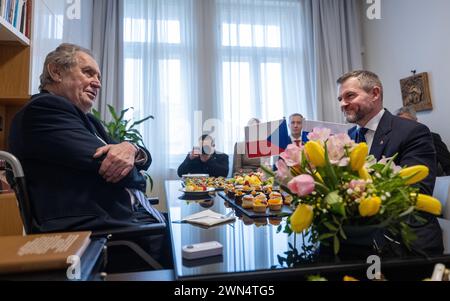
[121, 130]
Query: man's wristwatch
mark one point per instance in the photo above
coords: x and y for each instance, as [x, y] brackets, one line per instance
[141, 156]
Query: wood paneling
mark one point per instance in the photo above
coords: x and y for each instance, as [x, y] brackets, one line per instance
[10, 221]
[14, 71]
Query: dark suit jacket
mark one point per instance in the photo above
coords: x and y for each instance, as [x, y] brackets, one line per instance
[443, 155]
[217, 166]
[55, 142]
[411, 140]
[414, 145]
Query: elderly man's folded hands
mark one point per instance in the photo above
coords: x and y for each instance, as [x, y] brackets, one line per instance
[119, 161]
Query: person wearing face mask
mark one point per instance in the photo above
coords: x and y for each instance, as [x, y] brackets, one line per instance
[205, 160]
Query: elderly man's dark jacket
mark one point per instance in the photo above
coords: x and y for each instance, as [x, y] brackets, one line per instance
[413, 143]
[55, 142]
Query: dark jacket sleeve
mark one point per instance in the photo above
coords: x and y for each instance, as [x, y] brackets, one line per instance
[55, 130]
[186, 166]
[442, 153]
[99, 127]
[418, 149]
[218, 165]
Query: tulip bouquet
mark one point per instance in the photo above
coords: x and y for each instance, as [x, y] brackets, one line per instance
[336, 186]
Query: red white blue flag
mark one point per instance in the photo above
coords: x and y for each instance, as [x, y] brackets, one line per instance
[267, 139]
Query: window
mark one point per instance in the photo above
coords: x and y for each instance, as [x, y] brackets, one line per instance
[257, 60]
[155, 73]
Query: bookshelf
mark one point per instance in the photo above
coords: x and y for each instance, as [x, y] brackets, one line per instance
[15, 62]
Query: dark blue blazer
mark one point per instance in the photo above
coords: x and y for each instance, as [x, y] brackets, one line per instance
[55, 142]
[411, 140]
[414, 145]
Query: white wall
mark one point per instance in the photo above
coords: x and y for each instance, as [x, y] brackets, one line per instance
[412, 34]
[51, 27]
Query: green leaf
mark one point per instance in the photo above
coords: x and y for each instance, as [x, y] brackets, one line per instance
[122, 114]
[325, 236]
[330, 226]
[113, 113]
[141, 121]
[341, 231]
[336, 245]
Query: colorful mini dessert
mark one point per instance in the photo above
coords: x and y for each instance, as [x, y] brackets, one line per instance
[288, 199]
[259, 205]
[247, 201]
[247, 189]
[275, 204]
[261, 196]
[238, 196]
[231, 192]
[275, 195]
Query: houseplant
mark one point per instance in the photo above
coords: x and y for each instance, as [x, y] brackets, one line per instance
[343, 195]
[121, 129]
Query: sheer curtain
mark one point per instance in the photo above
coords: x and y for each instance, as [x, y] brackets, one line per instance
[333, 46]
[107, 46]
[210, 65]
[160, 68]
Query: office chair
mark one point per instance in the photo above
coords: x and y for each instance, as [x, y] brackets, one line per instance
[115, 237]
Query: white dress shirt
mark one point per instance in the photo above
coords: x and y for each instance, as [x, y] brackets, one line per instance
[372, 126]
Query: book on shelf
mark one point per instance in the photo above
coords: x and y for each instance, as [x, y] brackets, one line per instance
[17, 13]
[41, 252]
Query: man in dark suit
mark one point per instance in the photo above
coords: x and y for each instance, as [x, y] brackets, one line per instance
[361, 99]
[442, 152]
[77, 177]
[205, 160]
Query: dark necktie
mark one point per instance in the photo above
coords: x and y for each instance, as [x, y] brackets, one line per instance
[360, 135]
[297, 142]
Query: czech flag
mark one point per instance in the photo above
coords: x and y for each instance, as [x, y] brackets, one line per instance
[267, 139]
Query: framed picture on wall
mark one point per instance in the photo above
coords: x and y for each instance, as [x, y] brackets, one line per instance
[416, 92]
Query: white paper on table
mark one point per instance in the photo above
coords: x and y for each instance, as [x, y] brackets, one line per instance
[208, 218]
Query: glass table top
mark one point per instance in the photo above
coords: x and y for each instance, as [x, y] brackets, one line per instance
[256, 247]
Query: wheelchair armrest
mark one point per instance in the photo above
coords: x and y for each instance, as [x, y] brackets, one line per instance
[131, 232]
[154, 201]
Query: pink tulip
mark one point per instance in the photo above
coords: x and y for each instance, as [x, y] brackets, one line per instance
[360, 184]
[293, 155]
[282, 170]
[302, 185]
[319, 134]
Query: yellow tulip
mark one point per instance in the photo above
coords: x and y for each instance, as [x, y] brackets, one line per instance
[358, 156]
[364, 174]
[370, 206]
[315, 153]
[318, 177]
[349, 278]
[302, 218]
[418, 173]
[428, 204]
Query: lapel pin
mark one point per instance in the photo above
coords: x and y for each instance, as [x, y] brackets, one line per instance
[381, 142]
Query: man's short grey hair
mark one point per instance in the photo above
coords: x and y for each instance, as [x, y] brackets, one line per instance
[367, 79]
[296, 115]
[409, 110]
[64, 58]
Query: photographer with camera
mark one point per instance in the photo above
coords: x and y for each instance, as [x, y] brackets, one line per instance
[205, 160]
